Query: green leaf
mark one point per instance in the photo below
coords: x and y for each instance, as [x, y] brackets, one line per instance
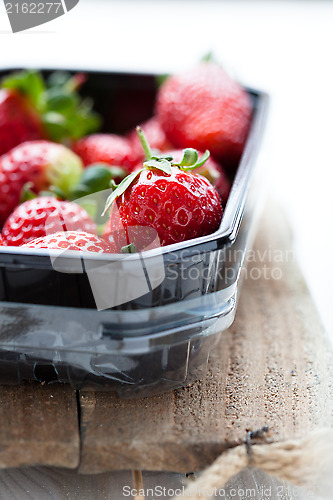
[129, 248]
[95, 178]
[190, 157]
[56, 99]
[117, 172]
[199, 163]
[81, 122]
[65, 114]
[160, 164]
[96, 175]
[59, 193]
[56, 125]
[121, 188]
[58, 78]
[165, 157]
[29, 83]
[27, 193]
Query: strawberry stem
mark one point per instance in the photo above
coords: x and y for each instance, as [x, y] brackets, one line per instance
[144, 143]
[75, 82]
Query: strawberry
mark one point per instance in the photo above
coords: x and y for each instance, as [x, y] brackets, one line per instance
[205, 109]
[167, 197]
[70, 240]
[155, 136]
[42, 216]
[212, 171]
[1, 241]
[111, 149]
[18, 121]
[42, 164]
[129, 239]
[31, 110]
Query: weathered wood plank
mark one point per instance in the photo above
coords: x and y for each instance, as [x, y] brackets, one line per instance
[39, 425]
[51, 483]
[44, 483]
[271, 367]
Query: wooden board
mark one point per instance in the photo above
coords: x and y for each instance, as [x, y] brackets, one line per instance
[46, 483]
[272, 367]
[39, 425]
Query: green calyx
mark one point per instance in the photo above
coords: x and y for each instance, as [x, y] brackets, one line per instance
[120, 189]
[64, 114]
[97, 177]
[129, 248]
[190, 161]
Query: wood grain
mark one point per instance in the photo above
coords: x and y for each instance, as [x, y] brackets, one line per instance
[39, 425]
[44, 483]
[271, 367]
[51, 483]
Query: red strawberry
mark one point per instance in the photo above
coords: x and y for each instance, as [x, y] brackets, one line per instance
[19, 122]
[212, 171]
[155, 136]
[32, 110]
[205, 109]
[105, 148]
[1, 241]
[178, 204]
[42, 216]
[41, 163]
[129, 239]
[70, 240]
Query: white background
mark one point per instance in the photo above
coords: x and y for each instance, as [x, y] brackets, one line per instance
[283, 47]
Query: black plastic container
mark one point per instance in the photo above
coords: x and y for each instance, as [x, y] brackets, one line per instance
[50, 328]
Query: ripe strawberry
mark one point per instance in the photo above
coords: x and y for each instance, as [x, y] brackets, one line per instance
[155, 136]
[1, 241]
[111, 149]
[205, 109]
[178, 204]
[32, 110]
[212, 171]
[70, 240]
[42, 216]
[40, 163]
[129, 239]
[19, 122]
